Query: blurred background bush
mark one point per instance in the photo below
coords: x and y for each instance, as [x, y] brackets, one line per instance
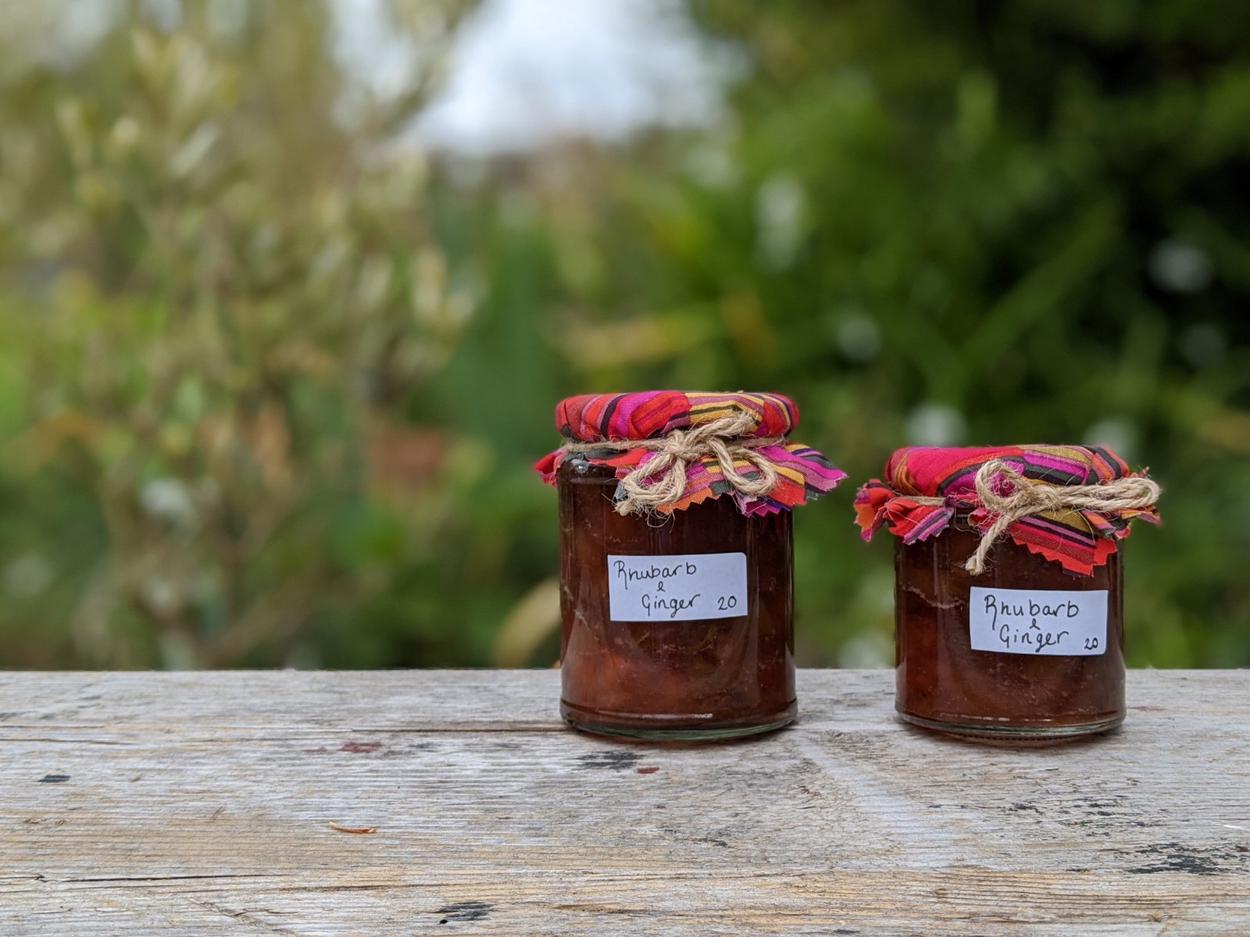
[288, 291]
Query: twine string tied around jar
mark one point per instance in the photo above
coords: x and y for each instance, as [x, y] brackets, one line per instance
[661, 480]
[1024, 498]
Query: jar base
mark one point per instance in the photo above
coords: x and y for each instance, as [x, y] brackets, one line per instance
[1013, 735]
[672, 730]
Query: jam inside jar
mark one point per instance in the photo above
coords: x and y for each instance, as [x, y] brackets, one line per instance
[943, 683]
[671, 677]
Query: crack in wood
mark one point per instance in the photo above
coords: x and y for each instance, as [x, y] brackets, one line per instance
[206, 876]
[247, 916]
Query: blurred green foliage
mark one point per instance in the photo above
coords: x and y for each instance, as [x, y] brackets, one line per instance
[271, 381]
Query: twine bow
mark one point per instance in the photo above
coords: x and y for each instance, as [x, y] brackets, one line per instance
[662, 479]
[1026, 498]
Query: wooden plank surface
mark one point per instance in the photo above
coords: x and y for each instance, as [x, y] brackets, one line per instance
[454, 802]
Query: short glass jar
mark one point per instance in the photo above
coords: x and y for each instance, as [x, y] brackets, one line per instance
[943, 683]
[678, 617]
[1028, 645]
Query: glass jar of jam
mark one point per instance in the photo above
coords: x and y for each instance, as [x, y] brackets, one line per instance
[677, 590]
[1008, 600]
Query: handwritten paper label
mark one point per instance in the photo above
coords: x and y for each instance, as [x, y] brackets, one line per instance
[1038, 621]
[685, 587]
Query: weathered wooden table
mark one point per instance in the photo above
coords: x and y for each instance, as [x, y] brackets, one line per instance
[454, 802]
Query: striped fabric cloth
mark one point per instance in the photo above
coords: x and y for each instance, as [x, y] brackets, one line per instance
[1078, 539]
[803, 473]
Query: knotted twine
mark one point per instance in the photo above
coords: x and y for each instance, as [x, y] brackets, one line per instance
[1026, 498]
[661, 480]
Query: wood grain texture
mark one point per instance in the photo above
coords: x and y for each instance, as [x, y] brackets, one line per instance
[454, 802]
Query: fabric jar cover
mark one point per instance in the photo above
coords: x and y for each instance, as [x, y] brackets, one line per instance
[1080, 540]
[802, 473]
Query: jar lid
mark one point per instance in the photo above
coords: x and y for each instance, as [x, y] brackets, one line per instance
[671, 449]
[653, 413]
[1070, 504]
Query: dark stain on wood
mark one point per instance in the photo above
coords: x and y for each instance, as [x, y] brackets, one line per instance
[1108, 807]
[650, 769]
[1192, 860]
[465, 911]
[612, 760]
[54, 779]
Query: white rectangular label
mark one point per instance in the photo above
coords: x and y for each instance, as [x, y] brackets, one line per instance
[685, 587]
[1038, 621]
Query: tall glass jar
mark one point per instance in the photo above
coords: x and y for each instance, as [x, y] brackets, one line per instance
[663, 676]
[1009, 606]
[677, 584]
